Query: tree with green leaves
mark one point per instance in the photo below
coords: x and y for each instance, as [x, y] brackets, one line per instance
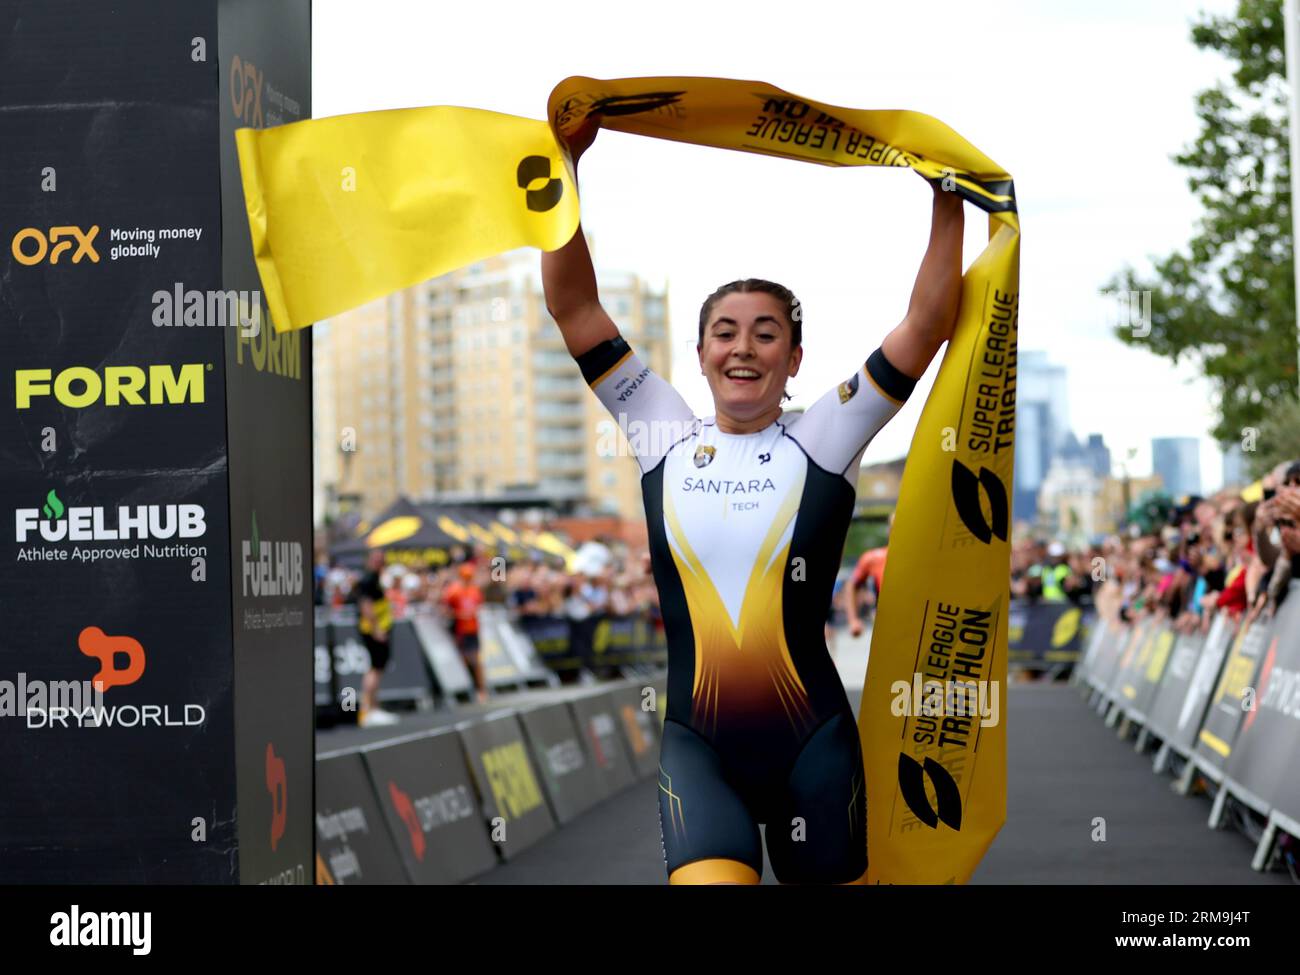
[1228, 299]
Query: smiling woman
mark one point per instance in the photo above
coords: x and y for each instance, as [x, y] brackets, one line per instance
[719, 316]
[758, 728]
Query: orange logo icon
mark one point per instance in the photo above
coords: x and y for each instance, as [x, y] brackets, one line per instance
[94, 642]
[277, 785]
[402, 803]
[30, 245]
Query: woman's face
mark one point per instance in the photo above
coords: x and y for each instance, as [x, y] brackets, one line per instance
[746, 355]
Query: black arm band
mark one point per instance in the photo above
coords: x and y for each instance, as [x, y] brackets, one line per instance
[600, 359]
[883, 373]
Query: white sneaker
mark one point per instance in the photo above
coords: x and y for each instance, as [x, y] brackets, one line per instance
[378, 717]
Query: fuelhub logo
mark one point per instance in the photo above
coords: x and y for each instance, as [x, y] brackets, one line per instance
[271, 569]
[50, 533]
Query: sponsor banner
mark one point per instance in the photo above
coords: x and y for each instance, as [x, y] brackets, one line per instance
[598, 719]
[115, 665]
[1126, 662]
[323, 694]
[614, 641]
[108, 699]
[1270, 724]
[508, 785]
[639, 726]
[337, 676]
[1142, 678]
[353, 842]
[1191, 713]
[263, 67]
[1043, 634]
[582, 640]
[405, 677]
[510, 643]
[429, 632]
[1286, 793]
[1088, 662]
[1227, 707]
[572, 782]
[426, 793]
[550, 638]
[1175, 685]
[1107, 656]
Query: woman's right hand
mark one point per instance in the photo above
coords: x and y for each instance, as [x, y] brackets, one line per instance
[582, 138]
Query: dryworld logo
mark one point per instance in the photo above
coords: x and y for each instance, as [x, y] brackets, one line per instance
[94, 642]
[277, 784]
[122, 661]
[31, 246]
[406, 812]
[271, 568]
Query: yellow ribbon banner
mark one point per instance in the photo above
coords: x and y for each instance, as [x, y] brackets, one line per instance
[347, 209]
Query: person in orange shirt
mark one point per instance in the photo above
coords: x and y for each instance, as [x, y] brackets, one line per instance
[871, 565]
[462, 599]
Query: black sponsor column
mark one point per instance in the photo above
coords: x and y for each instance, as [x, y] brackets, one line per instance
[265, 80]
[122, 450]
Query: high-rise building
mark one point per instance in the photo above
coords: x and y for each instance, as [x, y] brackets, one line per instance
[1234, 467]
[1042, 419]
[1098, 455]
[461, 389]
[1178, 462]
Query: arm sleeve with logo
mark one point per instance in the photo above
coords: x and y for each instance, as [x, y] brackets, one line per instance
[646, 408]
[835, 430]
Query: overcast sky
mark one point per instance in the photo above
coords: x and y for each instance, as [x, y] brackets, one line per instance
[1082, 101]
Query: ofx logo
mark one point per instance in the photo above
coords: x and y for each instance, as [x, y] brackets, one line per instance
[94, 642]
[406, 811]
[277, 784]
[246, 91]
[31, 246]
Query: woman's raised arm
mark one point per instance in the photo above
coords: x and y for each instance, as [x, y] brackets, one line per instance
[932, 313]
[569, 280]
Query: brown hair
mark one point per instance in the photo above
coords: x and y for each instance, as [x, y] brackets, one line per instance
[793, 310]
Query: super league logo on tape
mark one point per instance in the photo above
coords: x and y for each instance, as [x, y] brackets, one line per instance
[966, 496]
[533, 168]
[911, 783]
